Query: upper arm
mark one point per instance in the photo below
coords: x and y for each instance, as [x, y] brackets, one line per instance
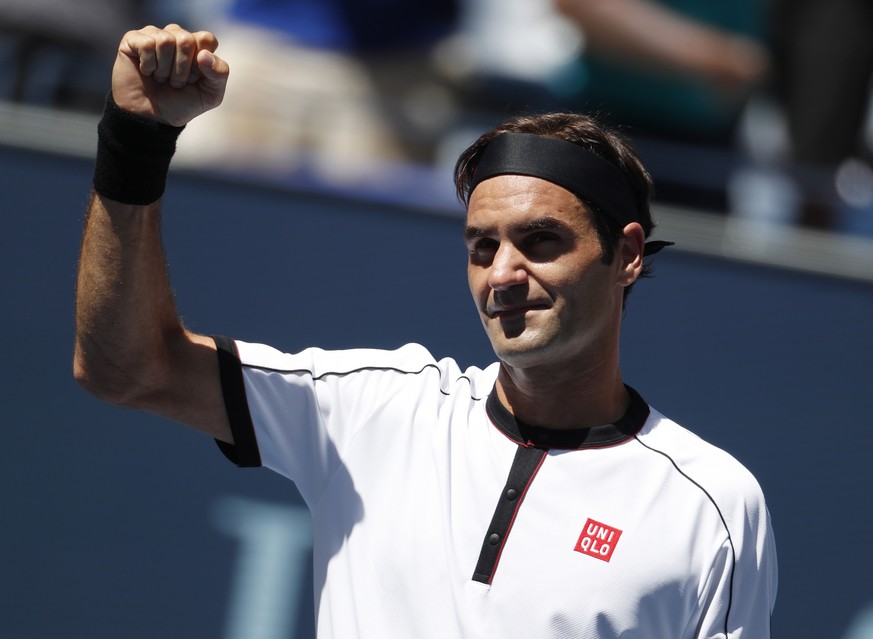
[741, 592]
[181, 382]
[191, 392]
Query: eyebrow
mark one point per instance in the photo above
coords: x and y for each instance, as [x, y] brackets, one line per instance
[545, 223]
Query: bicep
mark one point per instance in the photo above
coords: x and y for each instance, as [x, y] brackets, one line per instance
[740, 591]
[191, 392]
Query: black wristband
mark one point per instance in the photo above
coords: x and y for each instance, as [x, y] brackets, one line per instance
[133, 156]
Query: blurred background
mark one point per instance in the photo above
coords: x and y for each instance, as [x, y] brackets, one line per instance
[323, 184]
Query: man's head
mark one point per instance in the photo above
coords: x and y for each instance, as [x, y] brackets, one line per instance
[557, 216]
[632, 189]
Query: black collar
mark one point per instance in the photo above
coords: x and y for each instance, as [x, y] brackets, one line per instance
[569, 439]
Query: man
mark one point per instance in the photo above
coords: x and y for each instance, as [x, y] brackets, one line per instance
[539, 497]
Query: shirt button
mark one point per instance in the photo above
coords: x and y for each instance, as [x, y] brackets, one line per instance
[494, 539]
[511, 494]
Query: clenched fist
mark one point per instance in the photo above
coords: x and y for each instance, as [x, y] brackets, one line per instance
[169, 75]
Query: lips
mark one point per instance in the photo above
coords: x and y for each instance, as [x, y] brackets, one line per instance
[516, 310]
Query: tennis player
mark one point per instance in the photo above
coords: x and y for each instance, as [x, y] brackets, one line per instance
[540, 496]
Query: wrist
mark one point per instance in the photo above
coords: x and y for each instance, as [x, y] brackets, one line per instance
[133, 156]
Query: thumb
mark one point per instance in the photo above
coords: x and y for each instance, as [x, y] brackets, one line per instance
[213, 69]
[211, 65]
[214, 72]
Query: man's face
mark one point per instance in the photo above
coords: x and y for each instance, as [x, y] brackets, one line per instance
[536, 275]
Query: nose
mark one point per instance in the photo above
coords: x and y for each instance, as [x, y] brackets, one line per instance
[507, 268]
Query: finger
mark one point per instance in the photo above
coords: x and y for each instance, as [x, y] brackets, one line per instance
[139, 47]
[183, 59]
[206, 41]
[165, 52]
[156, 50]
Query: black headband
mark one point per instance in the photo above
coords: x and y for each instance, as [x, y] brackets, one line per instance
[570, 166]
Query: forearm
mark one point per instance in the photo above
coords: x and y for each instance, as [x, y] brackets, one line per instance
[125, 313]
[131, 348]
[648, 34]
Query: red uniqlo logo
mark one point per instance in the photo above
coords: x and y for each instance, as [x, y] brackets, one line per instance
[598, 540]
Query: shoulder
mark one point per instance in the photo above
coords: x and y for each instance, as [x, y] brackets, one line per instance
[410, 361]
[409, 358]
[750, 567]
[719, 476]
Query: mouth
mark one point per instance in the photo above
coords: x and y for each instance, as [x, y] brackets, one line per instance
[513, 312]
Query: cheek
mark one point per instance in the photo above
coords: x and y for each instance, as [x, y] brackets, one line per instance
[477, 281]
[558, 278]
[582, 288]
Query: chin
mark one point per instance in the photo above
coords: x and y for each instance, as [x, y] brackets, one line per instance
[525, 353]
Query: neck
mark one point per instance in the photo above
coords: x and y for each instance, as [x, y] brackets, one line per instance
[550, 398]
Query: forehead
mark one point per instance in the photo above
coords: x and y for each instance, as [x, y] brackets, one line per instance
[510, 199]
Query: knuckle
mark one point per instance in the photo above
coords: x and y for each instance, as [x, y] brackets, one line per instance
[206, 40]
[164, 41]
[185, 42]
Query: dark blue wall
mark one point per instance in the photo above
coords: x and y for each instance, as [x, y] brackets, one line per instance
[119, 524]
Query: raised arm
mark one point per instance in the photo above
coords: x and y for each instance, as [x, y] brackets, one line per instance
[649, 34]
[131, 348]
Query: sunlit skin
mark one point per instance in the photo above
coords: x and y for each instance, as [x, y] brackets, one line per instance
[550, 306]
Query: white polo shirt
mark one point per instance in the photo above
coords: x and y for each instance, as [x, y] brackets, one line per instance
[437, 514]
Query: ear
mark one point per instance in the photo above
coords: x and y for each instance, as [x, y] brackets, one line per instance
[630, 254]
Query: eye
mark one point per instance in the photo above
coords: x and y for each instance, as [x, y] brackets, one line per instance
[538, 238]
[482, 249]
[543, 246]
[541, 242]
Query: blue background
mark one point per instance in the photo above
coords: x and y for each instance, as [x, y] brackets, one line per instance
[112, 519]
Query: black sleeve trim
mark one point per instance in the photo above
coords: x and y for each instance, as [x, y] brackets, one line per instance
[244, 451]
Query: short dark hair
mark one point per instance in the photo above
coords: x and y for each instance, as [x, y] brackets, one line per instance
[590, 134]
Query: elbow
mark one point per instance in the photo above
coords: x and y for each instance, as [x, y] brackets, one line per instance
[87, 380]
[108, 382]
